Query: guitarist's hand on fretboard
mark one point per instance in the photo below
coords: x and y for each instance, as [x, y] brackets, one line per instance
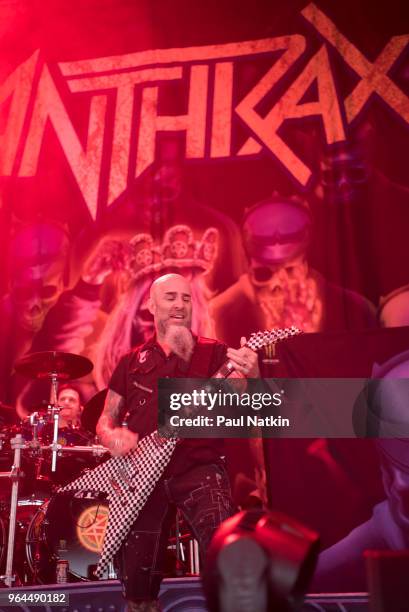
[244, 360]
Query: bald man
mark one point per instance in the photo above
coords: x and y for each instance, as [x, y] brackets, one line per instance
[195, 479]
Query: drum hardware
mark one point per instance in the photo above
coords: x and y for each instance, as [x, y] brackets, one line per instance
[184, 548]
[7, 474]
[67, 528]
[36, 419]
[180, 553]
[34, 445]
[55, 366]
[39, 528]
[34, 561]
[56, 418]
[194, 557]
[38, 471]
[77, 519]
[17, 444]
[96, 450]
[185, 555]
[27, 508]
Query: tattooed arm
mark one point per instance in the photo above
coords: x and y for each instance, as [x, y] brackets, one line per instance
[118, 440]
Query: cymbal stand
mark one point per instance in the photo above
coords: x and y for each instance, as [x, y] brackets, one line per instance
[180, 555]
[55, 447]
[55, 411]
[35, 445]
[34, 421]
[18, 444]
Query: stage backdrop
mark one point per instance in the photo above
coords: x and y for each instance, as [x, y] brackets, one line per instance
[259, 148]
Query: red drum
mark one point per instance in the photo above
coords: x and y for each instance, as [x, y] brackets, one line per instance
[69, 466]
[6, 462]
[36, 458]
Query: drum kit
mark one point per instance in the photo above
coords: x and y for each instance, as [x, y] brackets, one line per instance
[45, 532]
[38, 525]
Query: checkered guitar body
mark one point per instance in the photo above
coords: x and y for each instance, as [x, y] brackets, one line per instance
[128, 481]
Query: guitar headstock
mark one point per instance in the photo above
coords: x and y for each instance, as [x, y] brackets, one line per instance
[260, 339]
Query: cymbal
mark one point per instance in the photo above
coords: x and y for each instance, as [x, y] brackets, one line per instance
[64, 366]
[93, 410]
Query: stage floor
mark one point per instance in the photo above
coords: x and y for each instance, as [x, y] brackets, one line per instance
[177, 595]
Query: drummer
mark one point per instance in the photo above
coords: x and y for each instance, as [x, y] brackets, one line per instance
[71, 405]
[70, 402]
[69, 398]
[71, 431]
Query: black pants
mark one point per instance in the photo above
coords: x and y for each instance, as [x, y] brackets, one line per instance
[203, 496]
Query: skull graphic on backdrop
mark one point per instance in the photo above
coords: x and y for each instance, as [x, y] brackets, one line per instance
[280, 289]
[344, 174]
[79, 324]
[39, 260]
[276, 237]
[39, 268]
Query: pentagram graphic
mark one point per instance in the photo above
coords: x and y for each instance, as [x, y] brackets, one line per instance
[91, 526]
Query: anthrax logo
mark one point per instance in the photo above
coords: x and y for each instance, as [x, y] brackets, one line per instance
[207, 72]
[91, 527]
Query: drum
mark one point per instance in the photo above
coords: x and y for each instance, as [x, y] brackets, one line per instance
[6, 461]
[69, 465]
[27, 508]
[36, 459]
[70, 526]
[67, 436]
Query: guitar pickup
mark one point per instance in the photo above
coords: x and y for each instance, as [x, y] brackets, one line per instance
[118, 491]
[125, 477]
[116, 486]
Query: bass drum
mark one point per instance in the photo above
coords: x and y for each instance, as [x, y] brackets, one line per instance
[70, 526]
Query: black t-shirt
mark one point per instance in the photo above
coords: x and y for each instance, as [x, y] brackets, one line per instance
[136, 379]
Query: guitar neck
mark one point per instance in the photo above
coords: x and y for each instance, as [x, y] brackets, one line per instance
[257, 341]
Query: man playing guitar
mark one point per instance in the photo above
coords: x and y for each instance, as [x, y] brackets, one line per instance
[195, 478]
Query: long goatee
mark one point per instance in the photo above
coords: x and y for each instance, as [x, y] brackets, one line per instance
[180, 341]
